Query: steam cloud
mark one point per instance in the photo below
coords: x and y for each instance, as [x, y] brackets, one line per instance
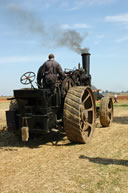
[28, 21]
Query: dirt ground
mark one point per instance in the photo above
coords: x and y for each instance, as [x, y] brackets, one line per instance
[101, 166]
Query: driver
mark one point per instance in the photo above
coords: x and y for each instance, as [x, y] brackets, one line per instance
[49, 72]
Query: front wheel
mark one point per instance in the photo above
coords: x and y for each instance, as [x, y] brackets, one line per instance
[106, 111]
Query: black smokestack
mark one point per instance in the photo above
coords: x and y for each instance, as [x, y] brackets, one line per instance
[86, 62]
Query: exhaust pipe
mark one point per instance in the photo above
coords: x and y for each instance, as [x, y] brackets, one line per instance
[86, 62]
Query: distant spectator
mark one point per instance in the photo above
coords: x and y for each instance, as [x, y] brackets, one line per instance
[115, 98]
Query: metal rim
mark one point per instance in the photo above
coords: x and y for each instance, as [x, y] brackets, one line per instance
[87, 113]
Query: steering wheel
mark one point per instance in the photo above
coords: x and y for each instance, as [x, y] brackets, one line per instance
[27, 78]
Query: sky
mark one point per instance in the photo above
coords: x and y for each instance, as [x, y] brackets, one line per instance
[32, 29]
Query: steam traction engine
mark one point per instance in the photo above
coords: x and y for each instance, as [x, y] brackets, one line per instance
[72, 103]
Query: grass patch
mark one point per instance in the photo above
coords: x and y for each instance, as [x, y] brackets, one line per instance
[120, 105]
[115, 105]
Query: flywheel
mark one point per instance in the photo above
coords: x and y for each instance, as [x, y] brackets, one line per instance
[106, 111]
[79, 114]
[66, 85]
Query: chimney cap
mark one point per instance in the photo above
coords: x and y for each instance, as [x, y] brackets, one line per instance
[86, 53]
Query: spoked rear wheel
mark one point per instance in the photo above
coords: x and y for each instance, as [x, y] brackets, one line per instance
[106, 111]
[79, 114]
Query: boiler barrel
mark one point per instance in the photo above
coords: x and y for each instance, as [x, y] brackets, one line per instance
[86, 62]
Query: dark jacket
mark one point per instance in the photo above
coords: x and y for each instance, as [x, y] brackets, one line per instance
[49, 72]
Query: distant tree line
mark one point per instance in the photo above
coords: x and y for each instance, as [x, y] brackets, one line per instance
[113, 92]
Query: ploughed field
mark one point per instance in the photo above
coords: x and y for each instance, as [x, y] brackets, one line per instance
[42, 166]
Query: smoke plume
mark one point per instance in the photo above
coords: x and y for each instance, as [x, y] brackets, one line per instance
[72, 40]
[27, 20]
